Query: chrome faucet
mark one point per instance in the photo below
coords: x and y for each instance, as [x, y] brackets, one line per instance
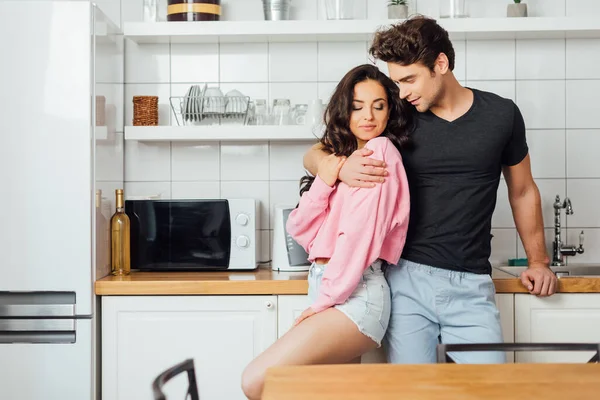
[560, 250]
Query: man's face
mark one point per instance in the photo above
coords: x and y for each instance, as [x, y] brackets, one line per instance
[417, 83]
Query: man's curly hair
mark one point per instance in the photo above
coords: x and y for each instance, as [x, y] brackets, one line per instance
[416, 40]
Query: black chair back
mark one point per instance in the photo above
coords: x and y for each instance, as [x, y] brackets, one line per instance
[444, 349]
[165, 376]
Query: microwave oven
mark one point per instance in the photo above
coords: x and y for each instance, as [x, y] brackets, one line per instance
[192, 235]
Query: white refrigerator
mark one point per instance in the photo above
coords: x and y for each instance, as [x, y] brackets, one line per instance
[56, 59]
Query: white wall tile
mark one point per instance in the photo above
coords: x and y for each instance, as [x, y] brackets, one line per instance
[258, 190]
[591, 238]
[335, 59]
[460, 59]
[542, 103]
[264, 253]
[583, 8]
[109, 160]
[325, 90]
[113, 95]
[584, 195]
[377, 9]
[244, 62]
[196, 190]
[547, 152]
[304, 10]
[546, 8]
[583, 159]
[383, 67]
[147, 161]
[132, 10]
[282, 192]
[195, 161]
[286, 160]
[498, 8]
[194, 62]
[112, 9]
[108, 194]
[486, 8]
[504, 89]
[110, 61]
[429, 8]
[582, 104]
[293, 62]
[297, 93]
[162, 90]
[549, 188]
[541, 59]
[490, 59]
[147, 63]
[360, 9]
[241, 10]
[242, 161]
[583, 58]
[146, 189]
[548, 239]
[504, 246]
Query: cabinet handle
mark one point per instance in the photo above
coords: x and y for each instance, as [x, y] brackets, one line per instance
[269, 304]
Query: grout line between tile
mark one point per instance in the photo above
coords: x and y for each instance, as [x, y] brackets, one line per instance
[565, 147]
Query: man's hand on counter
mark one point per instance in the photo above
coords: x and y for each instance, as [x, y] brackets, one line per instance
[539, 280]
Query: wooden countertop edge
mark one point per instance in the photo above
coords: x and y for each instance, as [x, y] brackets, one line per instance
[285, 287]
[140, 288]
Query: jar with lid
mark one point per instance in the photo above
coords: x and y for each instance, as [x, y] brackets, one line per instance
[194, 10]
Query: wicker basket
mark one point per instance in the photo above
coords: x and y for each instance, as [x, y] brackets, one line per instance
[145, 110]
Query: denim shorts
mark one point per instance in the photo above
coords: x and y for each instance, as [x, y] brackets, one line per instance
[368, 306]
[433, 305]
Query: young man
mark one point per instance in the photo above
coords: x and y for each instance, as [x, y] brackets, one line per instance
[464, 138]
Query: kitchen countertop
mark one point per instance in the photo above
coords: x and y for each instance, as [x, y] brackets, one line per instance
[265, 281]
[433, 381]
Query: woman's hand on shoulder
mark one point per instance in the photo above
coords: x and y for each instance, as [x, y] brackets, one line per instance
[329, 168]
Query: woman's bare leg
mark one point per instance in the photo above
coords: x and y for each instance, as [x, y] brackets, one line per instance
[329, 337]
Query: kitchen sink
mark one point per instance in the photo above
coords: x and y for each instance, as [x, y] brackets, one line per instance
[588, 270]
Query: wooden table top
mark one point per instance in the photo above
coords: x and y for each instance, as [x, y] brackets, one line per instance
[265, 281]
[434, 381]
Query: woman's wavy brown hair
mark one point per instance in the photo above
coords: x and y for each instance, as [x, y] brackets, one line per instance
[338, 139]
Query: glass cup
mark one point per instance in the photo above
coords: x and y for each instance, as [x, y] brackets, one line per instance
[339, 9]
[261, 112]
[453, 9]
[280, 113]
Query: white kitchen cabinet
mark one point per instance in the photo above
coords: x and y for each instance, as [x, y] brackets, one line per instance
[144, 335]
[563, 317]
[289, 308]
[506, 305]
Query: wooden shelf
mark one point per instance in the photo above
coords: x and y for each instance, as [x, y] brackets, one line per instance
[213, 133]
[354, 30]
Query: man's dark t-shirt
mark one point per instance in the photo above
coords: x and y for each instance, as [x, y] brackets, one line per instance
[453, 171]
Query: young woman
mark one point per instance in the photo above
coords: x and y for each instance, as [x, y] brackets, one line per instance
[348, 232]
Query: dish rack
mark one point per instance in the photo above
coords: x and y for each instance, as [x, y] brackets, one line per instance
[211, 110]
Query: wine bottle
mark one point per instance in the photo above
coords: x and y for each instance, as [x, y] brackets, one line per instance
[119, 229]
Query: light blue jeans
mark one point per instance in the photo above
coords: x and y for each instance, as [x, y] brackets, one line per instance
[432, 305]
